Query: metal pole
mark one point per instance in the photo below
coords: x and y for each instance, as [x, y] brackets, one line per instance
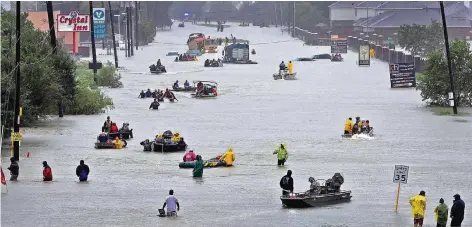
[131, 29]
[113, 34]
[92, 37]
[52, 31]
[128, 33]
[16, 123]
[448, 54]
[105, 35]
[136, 28]
[275, 9]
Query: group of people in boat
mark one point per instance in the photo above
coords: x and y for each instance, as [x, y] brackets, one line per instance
[111, 127]
[283, 68]
[168, 137]
[227, 158]
[358, 127]
[213, 63]
[185, 57]
[176, 84]
[205, 90]
[332, 184]
[336, 57]
[158, 67]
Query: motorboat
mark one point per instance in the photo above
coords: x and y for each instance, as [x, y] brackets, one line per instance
[166, 144]
[369, 134]
[207, 89]
[108, 145]
[210, 163]
[183, 89]
[325, 192]
[285, 75]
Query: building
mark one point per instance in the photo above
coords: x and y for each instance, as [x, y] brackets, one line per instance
[41, 22]
[386, 17]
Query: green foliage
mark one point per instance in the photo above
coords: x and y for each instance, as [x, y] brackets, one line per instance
[147, 32]
[46, 79]
[435, 85]
[421, 39]
[308, 15]
[108, 76]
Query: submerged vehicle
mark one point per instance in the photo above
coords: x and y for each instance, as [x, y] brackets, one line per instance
[210, 163]
[210, 45]
[194, 53]
[285, 75]
[322, 56]
[328, 192]
[165, 144]
[197, 44]
[237, 53]
[172, 54]
[205, 89]
[305, 59]
[193, 36]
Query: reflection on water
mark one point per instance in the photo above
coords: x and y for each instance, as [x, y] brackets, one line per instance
[253, 114]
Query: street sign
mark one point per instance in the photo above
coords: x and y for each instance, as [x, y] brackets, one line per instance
[400, 175]
[73, 22]
[402, 75]
[389, 40]
[364, 55]
[339, 45]
[16, 136]
[99, 26]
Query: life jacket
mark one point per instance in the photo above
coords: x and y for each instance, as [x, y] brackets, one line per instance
[47, 173]
[118, 144]
[114, 129]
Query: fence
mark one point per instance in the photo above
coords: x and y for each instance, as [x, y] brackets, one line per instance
[382, 52]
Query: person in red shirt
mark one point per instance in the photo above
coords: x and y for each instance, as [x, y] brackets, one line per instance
[114, 128]
[213, 90]
[47, 172]
[189, 156]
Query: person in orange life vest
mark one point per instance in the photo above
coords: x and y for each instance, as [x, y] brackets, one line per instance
[47, 172]
[114, 128]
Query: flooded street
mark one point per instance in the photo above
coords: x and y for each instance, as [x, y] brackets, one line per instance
[253, 114]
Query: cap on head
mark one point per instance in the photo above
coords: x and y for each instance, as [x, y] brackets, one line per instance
[81, 162]
[441, 200]
[350, 118]
[457, 196]
[422, 193]
[108, 118]
[171, 192]
[289, 173]
[12, 159]
[357, 118]
[45, 163]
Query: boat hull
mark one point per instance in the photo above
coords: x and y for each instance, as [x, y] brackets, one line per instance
[315, 200]
[99, 145]
[212, 163]
[183, 89]
[125, 135]
[159, 147]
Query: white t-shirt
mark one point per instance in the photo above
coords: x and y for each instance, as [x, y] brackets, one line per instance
[171, 203]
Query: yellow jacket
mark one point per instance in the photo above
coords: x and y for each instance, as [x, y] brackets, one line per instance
[348, 126]
[228, 157]
[290, 68]
[372, 53]
[176, 138]
[118, 144]
[418, 206]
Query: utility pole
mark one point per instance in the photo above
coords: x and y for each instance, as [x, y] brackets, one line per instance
[52, 30]
[16, 123]
[448, 54]
[293, 33]
[136, 28]
[275, 9]
[131, 27]
[113, 33]
[92, 37]
[128, 33]
[105, 35]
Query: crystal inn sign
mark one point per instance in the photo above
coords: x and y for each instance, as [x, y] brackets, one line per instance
[73, 22]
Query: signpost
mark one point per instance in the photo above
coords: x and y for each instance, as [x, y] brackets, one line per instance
[402, 75]
[338, 45]
[73, 22]
[400, 176]
[99, 26]
[364, 55]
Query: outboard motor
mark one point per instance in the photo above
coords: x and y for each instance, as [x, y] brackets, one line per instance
[146, 144]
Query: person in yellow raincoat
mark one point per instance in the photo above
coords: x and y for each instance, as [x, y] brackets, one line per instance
[372, 53]
[290, 67]
[348, 126]
[418, 206]
[118, 143]
[176, 137]
[228, 157]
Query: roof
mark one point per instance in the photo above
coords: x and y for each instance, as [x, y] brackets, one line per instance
[372, 4]
[458, 9]
[396, 18]
[343, 4]
[401, 5]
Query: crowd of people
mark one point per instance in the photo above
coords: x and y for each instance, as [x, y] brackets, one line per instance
[418, 208]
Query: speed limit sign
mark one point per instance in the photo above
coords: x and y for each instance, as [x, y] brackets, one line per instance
[400, 175]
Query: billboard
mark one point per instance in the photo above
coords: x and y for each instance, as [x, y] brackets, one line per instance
[338, 45]
[99, 26]
[364, 55]
[73, 22]
[402, 75]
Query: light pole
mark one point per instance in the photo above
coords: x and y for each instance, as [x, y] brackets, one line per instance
[119, 24]
[452, 95]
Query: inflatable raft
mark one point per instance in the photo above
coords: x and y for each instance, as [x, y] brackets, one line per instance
[183, 89]
[211, 163]
[287, 76]
[124, 135]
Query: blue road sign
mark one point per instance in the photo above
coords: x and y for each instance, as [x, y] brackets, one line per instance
[99, 26]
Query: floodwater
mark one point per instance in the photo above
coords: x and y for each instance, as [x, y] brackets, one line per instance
[253, 114]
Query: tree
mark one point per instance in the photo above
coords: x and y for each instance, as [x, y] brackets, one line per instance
[421, 39]
[147, 31]
[435, 85]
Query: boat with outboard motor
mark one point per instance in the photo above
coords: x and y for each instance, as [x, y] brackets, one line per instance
[368, 134]
[285, 75]
[108, 145]
[157, 70]
[328, 192]
[210, 163]
[165, 144]
[205, 89]
[213, 63]
[183, 89]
